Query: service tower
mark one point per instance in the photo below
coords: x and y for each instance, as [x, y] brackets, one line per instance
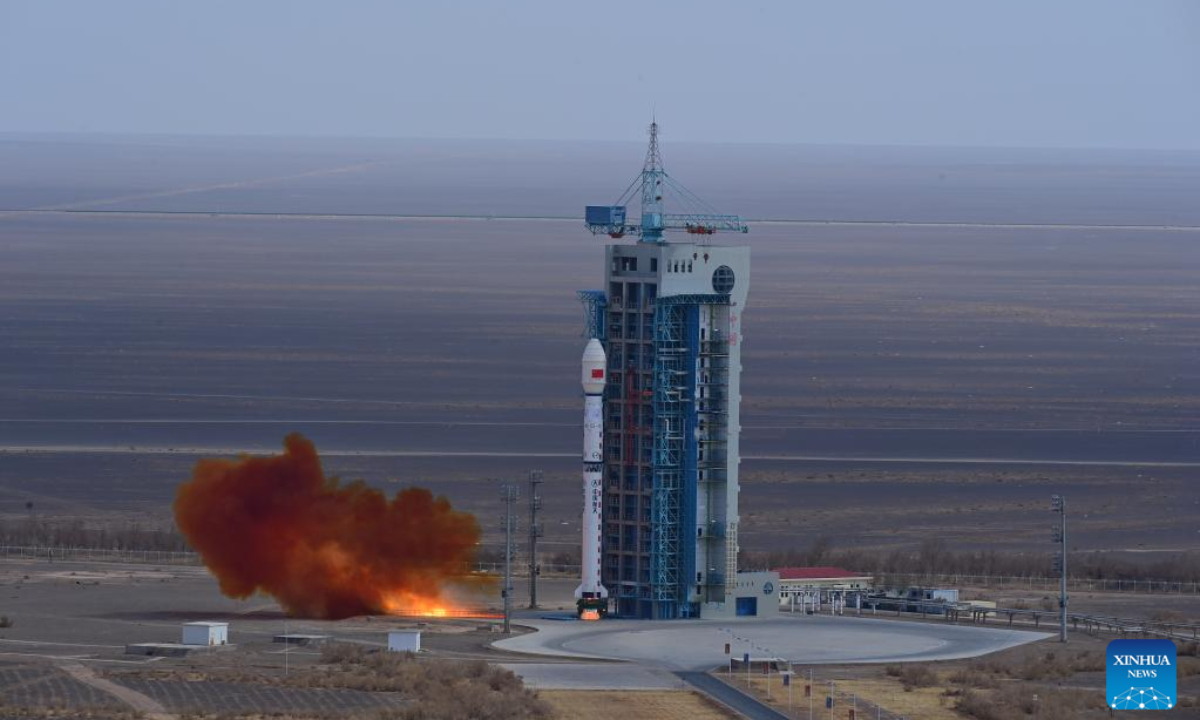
[669, 318]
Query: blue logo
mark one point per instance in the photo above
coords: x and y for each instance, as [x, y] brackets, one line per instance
[1141, 675]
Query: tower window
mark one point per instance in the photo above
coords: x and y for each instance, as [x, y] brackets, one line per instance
[723, 280]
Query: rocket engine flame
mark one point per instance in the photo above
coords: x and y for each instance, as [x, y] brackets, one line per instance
[323, 549]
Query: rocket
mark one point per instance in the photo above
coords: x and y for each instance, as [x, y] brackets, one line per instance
[594, 372]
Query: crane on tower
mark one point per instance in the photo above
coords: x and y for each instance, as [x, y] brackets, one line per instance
[655, 187]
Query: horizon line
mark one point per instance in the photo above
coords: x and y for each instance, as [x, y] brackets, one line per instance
[132, 134]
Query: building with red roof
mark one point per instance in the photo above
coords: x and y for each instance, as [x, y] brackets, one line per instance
[821, 583]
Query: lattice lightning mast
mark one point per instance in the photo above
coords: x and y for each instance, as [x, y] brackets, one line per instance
[657, 188]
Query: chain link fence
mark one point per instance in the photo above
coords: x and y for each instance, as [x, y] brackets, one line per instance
[156, 557]
[185, 557]
[807, 694]
[1016, 582]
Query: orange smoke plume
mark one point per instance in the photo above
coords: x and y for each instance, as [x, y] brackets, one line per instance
[323, 550]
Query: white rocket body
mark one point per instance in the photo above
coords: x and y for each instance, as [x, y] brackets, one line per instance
[594, 371]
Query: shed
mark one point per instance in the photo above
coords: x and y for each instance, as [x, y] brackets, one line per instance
[404, 641]
[206, 633]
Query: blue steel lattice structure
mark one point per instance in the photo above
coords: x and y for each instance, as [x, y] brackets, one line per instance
[671, 447]
[678, 408]
[655, 187]
[595, 312]
[669, 317]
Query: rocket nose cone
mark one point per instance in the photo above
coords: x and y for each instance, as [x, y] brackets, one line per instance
[593, 351]
[594, 364]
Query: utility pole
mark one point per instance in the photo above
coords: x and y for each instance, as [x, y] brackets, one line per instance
[508, 495]
[535, 532]
[1058, 503]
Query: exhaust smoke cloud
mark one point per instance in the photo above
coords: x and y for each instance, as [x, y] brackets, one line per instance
[321, 548]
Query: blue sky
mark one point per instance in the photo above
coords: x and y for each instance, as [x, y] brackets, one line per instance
[1068, 73]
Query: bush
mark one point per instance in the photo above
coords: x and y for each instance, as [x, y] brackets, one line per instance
[974, 676]
[1017, 703]
[918, 676]
[1169, 616]
[5, 621]
[1089, 661]
[1046, 667]
[978, 705]
[438, 688]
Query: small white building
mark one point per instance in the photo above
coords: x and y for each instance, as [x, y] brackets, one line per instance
[752, 594]
[404, 641]
[206, 633]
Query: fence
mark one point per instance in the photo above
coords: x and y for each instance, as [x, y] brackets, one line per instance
[806, 695]
[1088, 622]
[520, 569]
[187, 557]
[1079, 584]
[160, 557]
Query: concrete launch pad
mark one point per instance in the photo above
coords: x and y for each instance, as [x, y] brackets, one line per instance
[700, 644]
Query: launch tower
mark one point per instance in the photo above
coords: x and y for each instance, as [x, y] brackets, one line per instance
[669, 318]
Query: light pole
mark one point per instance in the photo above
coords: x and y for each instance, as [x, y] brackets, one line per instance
[535, 532]
[508, 495]
[1058, 503]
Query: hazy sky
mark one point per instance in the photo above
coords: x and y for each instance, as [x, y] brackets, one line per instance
[1082, 73]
